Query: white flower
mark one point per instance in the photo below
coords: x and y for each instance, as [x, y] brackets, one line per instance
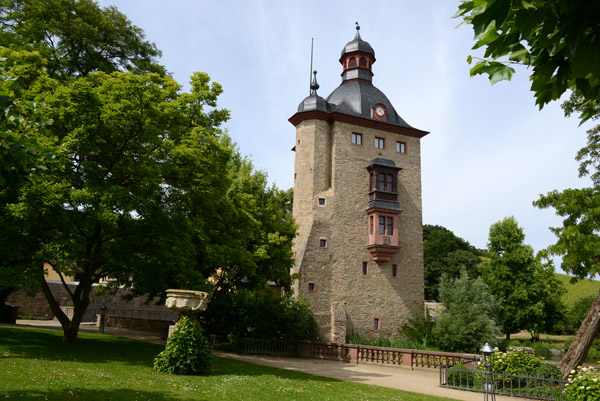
[573, 371]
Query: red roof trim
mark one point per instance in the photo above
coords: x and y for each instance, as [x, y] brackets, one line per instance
[345, 118]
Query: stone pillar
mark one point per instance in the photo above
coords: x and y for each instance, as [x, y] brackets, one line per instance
[338, 322]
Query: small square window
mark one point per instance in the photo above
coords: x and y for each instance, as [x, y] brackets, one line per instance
[311, 286]
[379, 143]
[401, 147]
[365, 268]
[356, 138]
[376, 324]
[323, 243]
[321, 201]
[394, 270]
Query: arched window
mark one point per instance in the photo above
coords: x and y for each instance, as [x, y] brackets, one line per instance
[362, 62]
[352, 62]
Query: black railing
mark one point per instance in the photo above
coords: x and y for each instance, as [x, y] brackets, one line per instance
[270, 347]
[471, 377]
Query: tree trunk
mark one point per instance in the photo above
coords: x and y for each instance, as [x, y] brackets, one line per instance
[80, 298]
[583, 340]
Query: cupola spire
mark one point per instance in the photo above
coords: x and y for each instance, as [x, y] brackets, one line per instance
[357, 59]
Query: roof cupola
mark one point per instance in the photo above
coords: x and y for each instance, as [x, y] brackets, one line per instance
[357, 59]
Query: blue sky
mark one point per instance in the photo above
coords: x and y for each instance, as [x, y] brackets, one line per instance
[490, 152]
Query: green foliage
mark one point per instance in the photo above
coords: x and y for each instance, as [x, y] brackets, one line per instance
[77, 37]
[515, 362]
[142, 186]
[187, 351]
[527, 291]
[578, 240]
[466, 321]
[260, 315]
[584, 385]
[445, 253]
[461, 376]
[418, 330]
[558, 40]
[577, 290]
[579, 311]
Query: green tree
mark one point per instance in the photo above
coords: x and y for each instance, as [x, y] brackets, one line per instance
[579, 311]
[466, 322]
[559, 40]
[578, 238]
[445, 253]
[511, 275]
[76, 37]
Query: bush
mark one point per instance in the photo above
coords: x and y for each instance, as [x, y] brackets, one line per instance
[418, 329]
[260, 315]
[578, 312]
[466, 321]
[542, 350]
[187, 351]
[462, 376]
[515, 362]
[548, 371]
[583, 385]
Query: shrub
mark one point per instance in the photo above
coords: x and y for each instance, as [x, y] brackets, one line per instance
[579, 311]
[515, 362]
[548, 371]
[462, 376]
[187, 351]
[260, 315]
[583, 385]
[542, 350]
[418, 329]
[466, 321]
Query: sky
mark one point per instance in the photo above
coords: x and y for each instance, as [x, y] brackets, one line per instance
[490, 152]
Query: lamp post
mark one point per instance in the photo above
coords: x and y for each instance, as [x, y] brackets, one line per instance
[488, 391]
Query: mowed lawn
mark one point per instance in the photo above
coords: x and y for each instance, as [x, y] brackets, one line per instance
[36, 365]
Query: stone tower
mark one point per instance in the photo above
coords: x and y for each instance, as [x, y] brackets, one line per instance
[357, 201]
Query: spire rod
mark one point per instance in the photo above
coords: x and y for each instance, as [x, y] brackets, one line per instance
[357, 31]
[312, 43]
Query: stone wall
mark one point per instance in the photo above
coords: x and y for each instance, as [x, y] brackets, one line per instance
[138, 308]
[329, 166]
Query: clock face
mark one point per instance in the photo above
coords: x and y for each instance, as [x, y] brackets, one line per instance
[380, 111]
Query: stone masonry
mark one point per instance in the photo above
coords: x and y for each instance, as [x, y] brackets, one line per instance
[332, 240]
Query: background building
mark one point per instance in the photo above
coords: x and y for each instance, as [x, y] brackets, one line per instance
[357, 200]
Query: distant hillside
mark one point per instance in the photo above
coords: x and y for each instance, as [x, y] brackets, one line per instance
[578, 290]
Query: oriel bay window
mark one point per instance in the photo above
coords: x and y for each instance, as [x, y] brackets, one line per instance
[383, 209]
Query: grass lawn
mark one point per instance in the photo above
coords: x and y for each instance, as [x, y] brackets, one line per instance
[36, 365]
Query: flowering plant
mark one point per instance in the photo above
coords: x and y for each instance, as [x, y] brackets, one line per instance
[584, 385]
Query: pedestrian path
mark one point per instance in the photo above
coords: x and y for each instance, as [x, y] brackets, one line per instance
[419, 380]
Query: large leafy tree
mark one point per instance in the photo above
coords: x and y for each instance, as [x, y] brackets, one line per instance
[559, 40]
[143, 186]
[467, 320]
[76, 37]
[521, 285]
[579, 236]
[445, 253]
